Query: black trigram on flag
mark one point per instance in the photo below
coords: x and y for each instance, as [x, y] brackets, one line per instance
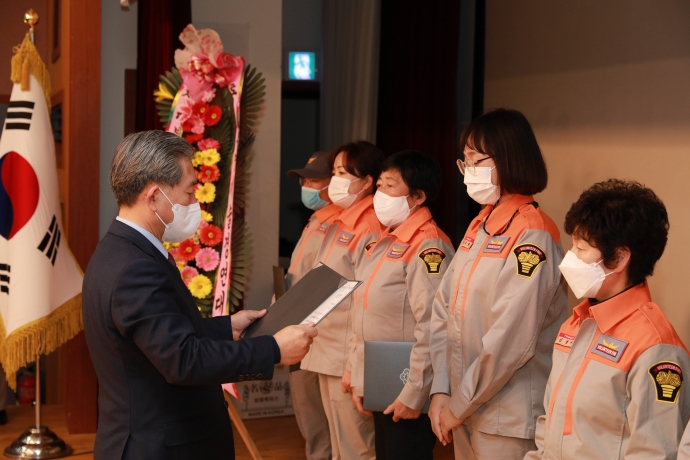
[5, 278]
[19, 115]
[52, 237]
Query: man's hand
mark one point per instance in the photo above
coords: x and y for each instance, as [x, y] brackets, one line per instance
[439, 401]
[448, 422]
[294, 342]
[358, 401]
[242, 319]
[347, 380]
[401, 411]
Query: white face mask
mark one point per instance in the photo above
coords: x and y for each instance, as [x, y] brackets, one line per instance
[391, 210]
[339, 191]
[185, 221]
[479, 185]
[584, 279]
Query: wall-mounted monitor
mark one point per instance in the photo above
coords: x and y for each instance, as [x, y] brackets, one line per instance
[301, 65]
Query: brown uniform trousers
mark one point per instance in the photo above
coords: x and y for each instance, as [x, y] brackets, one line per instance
[616, 389]
[304, 385]
[495, 317]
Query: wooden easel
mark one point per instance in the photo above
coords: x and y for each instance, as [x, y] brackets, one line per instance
[239, 424]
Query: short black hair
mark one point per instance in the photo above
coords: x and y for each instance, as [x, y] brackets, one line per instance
[419, 171]
[621, 214]
[361, 159]
[507, 136]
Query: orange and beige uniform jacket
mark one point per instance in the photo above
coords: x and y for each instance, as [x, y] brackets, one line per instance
[342, 250]
[401, 273]
[616, 389]
[495, 317]
[304, 256]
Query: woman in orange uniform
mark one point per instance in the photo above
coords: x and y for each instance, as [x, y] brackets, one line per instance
[502, 300]
[616, 389]
[401, 273]
[356, 167]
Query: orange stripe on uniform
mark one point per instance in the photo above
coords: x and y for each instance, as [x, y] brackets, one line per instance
[469, 278]
[365, 295]
[553, 398]
[568, 422]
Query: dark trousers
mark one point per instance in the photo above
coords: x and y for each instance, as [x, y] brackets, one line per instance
[404, 439]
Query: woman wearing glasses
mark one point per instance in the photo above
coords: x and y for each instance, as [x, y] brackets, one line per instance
[501, 302]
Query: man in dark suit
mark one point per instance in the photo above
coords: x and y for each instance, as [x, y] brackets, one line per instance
[159, 363]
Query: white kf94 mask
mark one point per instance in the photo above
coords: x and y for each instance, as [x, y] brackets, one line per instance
[584, 279]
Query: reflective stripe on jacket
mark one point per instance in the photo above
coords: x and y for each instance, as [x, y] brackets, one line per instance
[304, 256]
[495, 317]
[401, 274]
[616, 389]
[342, 250]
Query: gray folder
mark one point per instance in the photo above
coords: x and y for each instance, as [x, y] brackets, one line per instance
[386, 369]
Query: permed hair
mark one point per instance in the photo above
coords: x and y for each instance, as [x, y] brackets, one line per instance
[621, 214]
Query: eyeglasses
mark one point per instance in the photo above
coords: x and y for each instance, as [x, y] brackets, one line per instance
[469, 165]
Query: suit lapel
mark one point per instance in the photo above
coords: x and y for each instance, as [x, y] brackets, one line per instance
[125, 231]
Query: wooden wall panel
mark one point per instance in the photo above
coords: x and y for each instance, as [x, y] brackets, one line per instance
[81, 151]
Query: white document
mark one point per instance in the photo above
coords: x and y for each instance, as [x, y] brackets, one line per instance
[330, 303]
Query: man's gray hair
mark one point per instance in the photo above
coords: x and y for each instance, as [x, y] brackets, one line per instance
[145, 157]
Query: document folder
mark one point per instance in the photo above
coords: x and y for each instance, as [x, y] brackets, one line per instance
[386, 370]
[309, 301]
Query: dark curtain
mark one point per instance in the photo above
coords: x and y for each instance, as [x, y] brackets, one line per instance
[159, 25]
[417, 91]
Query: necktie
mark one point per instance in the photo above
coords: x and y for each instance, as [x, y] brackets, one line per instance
[171, 259]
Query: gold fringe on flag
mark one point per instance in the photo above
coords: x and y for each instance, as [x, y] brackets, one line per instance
[42, 336]
[25, 62]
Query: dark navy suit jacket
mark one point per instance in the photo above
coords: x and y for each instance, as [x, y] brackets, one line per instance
[159, 363]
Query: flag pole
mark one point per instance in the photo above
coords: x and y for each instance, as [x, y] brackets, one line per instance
[38, 442]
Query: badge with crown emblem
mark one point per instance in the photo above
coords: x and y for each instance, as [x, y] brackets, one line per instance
[495, 244]
[609, 347]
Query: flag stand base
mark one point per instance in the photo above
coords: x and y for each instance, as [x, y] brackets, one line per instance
[38, 442]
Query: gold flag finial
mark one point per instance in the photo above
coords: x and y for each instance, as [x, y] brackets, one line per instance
[30, 19]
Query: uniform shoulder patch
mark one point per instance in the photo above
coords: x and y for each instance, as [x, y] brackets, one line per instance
[528, 257]
[668, 378]
[433, 258]
[369, 245]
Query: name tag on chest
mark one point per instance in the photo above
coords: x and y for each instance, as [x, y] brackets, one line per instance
[565, 340]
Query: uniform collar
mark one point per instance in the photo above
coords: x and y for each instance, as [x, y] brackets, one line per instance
[502, 214]
[327, 212]
[350, 215]
[614, 310]
[408, 228]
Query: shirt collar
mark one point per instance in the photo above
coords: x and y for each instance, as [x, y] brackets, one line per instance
[502, 214]
[327, 212]
[408, 228]
[149, 236]
[614, 310]
[350, 215]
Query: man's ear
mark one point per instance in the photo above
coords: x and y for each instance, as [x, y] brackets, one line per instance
[622, 260]
[369, 184]
[149, 196]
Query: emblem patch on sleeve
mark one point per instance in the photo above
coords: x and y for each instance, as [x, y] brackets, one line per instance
[668, 378]
[323, 227]
[609, 347]
[433, 259]
[528, 257]
[369, 246]
[495, 244]
[345, 238]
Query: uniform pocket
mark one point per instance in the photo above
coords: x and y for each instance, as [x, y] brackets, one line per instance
[190, 430]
